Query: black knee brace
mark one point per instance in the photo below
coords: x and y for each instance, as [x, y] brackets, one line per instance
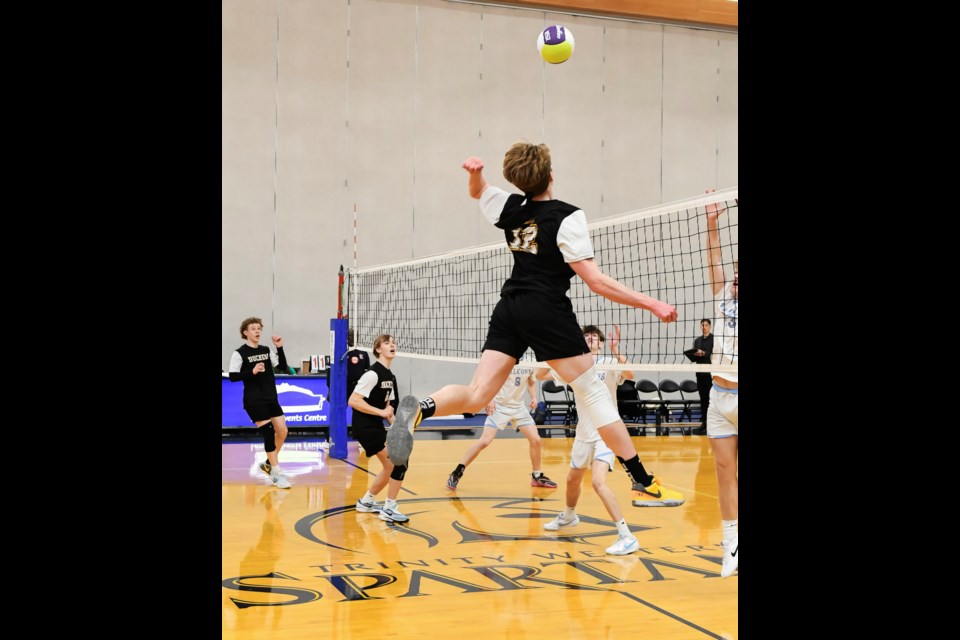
[398, 472]
[267, 432]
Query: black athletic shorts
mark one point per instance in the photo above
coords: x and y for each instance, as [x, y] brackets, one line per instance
[529, 319]
[261, 410]
[373, 439]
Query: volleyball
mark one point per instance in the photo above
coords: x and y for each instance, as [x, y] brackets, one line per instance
[555, 44]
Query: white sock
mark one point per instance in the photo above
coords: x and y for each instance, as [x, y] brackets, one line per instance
[390, 504]
[729, 529]
[369, 497]
[536, 473]
[569, 513]
[623, 529]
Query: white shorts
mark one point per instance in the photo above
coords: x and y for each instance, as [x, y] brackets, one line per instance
[723, 414]
[584, 453]
[502, 416]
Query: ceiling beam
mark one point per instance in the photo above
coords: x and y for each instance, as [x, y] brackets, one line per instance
[710, 13]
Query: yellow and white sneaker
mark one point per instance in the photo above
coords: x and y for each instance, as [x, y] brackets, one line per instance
[656, 496]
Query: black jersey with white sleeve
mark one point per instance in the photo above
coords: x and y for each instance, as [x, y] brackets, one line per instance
[544, 236]
[260, 386]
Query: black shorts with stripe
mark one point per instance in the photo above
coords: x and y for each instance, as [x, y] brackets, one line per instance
[547, 324]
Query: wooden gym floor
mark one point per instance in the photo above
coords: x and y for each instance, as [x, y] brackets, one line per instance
[475, 563]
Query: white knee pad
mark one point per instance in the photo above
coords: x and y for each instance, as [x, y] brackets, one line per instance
[593, 399]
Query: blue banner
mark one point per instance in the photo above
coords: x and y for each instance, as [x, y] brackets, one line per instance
[304, 400]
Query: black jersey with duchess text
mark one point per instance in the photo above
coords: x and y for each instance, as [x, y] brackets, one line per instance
[261, 386]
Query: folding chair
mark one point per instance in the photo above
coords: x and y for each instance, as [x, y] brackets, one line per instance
[629, 407]
[559, 401]
[650, 401]
[691, 399]
[673, 401]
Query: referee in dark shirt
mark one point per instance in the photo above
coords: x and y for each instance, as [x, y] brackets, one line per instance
[702, 350]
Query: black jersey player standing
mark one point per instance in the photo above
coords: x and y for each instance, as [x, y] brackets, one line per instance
[374, 399]
[252, 364]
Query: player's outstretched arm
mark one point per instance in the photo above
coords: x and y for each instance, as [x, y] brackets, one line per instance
[611, 289]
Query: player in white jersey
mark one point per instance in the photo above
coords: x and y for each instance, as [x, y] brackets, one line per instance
[611, 378]
[590, 451]
[508, 407]
[723, 415]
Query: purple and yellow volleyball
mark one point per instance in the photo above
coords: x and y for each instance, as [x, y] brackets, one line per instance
[555, 44]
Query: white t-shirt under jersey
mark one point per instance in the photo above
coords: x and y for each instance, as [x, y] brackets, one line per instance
[725, 333]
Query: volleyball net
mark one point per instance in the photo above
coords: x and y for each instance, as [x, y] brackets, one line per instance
[438, 307]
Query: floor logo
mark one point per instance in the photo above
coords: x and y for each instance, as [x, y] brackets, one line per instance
[474, 519]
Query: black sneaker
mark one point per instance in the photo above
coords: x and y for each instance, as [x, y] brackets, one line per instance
[265, 467]
[542, 481]
[452, 481]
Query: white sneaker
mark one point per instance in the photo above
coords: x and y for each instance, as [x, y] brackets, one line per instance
[730, 558]
[392, 515]
[558, 522]
[280, 471]
[278, 479]
[623, 546]
[400, 435]
[369, 507]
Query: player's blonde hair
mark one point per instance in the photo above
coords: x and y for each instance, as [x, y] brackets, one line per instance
[527, 167]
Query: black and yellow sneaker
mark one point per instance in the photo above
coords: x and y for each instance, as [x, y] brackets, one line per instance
[656, 496]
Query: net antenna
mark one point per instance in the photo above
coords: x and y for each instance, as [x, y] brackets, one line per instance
[438, 307]
[351, 289]
[350, 297]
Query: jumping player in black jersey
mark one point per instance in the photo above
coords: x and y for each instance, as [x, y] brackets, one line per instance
[253, 364]
[373, 399]
[550, 244]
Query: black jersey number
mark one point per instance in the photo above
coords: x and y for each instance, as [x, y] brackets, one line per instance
[525, 239]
